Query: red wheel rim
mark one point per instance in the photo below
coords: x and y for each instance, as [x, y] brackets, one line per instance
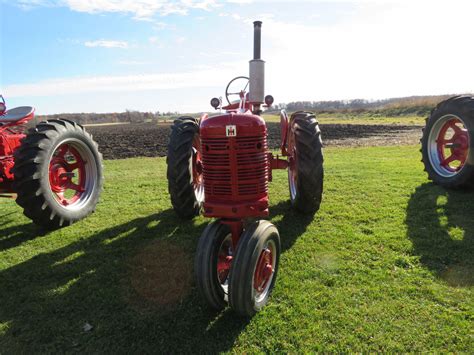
[264, 270]
[224, 264]
[224, 260]
[293, 173]
[198, 183]
[452, 145]
[292, 165]
[67, 175]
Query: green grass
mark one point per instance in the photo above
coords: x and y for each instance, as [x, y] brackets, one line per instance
[385, 265]
[363, 118]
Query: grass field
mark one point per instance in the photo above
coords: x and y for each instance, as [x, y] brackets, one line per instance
[385, 265]
[340, 118]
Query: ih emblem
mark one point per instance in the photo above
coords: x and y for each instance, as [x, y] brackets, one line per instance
[230, 131]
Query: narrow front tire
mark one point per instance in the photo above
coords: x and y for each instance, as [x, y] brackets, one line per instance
[255, 268]
[212, 264]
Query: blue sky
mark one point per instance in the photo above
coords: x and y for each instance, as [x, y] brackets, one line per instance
[150, 55]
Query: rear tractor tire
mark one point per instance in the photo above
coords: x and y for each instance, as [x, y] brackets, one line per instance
[184, 172]
[447, 143]
[305, 171]
[58, 174]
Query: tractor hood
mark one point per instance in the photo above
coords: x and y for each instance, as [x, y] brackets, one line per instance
[233, 124]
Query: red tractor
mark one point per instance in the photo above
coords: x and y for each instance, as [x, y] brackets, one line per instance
[448, 143]
[221, 165]
[54, 167]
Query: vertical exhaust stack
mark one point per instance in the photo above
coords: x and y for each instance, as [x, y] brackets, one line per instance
[257, 69]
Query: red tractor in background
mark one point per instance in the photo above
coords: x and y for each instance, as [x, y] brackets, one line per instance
[221, 165]
[54, 167]
[447, 144]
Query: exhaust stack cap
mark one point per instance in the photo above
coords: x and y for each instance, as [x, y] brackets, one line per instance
[257, 39]
[257, 68]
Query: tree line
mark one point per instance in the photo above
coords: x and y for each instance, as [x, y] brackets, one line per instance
[413, 105]
[131, 116]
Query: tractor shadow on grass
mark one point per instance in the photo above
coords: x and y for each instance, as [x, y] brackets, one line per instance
[441, 226]
[132, 284]
[292, 225]
[16, 235]
[128, 288]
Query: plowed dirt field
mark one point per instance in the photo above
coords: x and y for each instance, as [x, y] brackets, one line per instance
[149, 140]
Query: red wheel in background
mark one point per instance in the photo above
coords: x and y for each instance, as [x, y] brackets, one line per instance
[449, 147]
[67, 175]
[447, 143]
[58, 174]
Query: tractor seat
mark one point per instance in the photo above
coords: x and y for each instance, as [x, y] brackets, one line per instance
[17, 113]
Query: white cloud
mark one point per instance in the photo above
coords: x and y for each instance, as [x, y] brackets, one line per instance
[139, 9]
[132, 62]
[156, 42]
[381, 50]
[180, 39]
[240, 2]
[30, 4]
[205, 77]
[211, 54]
[106, 44]
[160, 25]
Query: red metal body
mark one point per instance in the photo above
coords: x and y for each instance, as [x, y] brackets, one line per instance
[11, 134]
[236, 165]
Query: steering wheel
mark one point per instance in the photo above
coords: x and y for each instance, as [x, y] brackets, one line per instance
[3, 107]
[242, 80]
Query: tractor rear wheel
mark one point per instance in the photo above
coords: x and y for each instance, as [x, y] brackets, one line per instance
[447, 143]
[58, 174]
[212, 264]
[254, 270]
[305, 170]
[184, 173]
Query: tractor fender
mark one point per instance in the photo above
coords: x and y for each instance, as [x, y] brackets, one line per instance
[203, 117]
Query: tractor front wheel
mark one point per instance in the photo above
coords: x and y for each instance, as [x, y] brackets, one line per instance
[305, 170]
[212, 264]
[254, 270]
[58, 174]
[447, 143]
[184, 173]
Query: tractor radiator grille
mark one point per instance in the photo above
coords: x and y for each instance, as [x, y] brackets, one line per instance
[235, 168]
